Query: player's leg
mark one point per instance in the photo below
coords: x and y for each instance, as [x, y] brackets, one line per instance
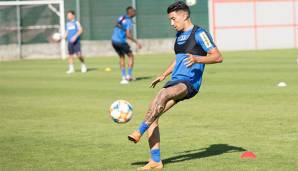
[70, 59]
[80, 57]
[153, 130]
[119, 49]
[130, 55]
[77, 50]
[175, 92]
[154, 142]
[130, 66]
[82, 60]
[123, 69]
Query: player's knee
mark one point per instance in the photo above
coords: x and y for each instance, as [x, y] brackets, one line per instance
[160, 108]
[164, 96]
[130, 55]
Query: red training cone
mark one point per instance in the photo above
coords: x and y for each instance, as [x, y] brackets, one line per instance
[248, 154]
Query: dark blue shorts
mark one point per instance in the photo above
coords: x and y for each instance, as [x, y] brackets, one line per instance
[191, 91]
[74, 47]
[121, 48]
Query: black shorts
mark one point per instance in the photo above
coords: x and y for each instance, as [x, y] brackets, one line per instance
[74, 47]
[121, 48]
[191, 91]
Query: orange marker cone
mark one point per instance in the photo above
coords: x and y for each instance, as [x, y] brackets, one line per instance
[248, 154]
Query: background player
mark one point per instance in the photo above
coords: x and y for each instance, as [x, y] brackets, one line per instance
[73, 33]
[193, 48]
[123, 31]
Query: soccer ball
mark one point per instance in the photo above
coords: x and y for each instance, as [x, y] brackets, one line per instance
[121, 111]
[56, 37]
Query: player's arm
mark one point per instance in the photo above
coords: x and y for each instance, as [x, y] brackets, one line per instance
[203, 38]
[130, 37]
[65, 34]
[160, 78]
[80, 31]
[213, 56]
[128, 32]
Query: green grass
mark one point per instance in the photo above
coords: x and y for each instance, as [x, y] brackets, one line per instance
[53, 121]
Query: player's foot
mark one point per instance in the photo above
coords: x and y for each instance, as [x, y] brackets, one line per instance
[84, 69]
[130, 78]
[135, 136]
[70, 71]
[124, 81]
[152, 165]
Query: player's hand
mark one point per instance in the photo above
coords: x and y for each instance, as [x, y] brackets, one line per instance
[139, 46]
[73, 39]
[157, 80]
[190, 60]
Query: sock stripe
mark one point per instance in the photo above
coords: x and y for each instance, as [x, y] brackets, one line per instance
[143, 128]
[155, 154]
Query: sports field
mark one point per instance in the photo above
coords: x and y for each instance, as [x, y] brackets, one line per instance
[53, 121]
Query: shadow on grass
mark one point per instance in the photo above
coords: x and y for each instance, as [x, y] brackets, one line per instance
[92, 69]
[88, 70]
[212, 150]
[143, 78]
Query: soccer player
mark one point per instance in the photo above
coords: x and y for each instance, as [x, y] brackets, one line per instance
[123, 31]
[194, 48]
[73, 33]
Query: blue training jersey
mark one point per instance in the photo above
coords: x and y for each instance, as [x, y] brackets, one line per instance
[194, 73]
[124, 23]
[72, 28]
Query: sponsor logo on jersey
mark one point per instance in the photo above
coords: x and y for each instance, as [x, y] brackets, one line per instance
[182, 39]
[71, 26]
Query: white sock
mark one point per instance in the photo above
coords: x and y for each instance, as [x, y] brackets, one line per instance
[71, 67]
[83, 65]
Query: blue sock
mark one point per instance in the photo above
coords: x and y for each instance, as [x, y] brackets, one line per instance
[123, 72]
[155, 154]
[143, 128]
[129, 71]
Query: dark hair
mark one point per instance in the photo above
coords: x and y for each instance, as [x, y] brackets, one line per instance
[129, 8]
[71, 11]
[178, 6]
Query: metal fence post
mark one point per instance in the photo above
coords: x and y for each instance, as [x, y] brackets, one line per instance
[78, 10]
[135, 32]
[19, 33]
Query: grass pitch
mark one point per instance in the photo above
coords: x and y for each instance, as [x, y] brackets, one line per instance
[53, 121]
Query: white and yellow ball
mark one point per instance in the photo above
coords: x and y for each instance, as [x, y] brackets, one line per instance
[56, 37]
[121, 111]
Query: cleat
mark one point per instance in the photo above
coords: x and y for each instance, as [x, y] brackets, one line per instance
[70, 71]
[135, 136]
[83, 69]
[130, 78]
[124, 81]
[152, 165]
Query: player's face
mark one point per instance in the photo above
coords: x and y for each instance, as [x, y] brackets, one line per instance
[132, 12]
[177, 19]
[70, 16]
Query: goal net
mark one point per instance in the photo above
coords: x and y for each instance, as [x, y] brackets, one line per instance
[27, 27]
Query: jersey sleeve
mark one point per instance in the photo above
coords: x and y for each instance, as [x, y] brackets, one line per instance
[128, 24]
[78, 24]
[204, 39]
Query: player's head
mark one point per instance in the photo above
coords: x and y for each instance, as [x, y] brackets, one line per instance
[178, 14]
[130, 11]
[71, 15]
